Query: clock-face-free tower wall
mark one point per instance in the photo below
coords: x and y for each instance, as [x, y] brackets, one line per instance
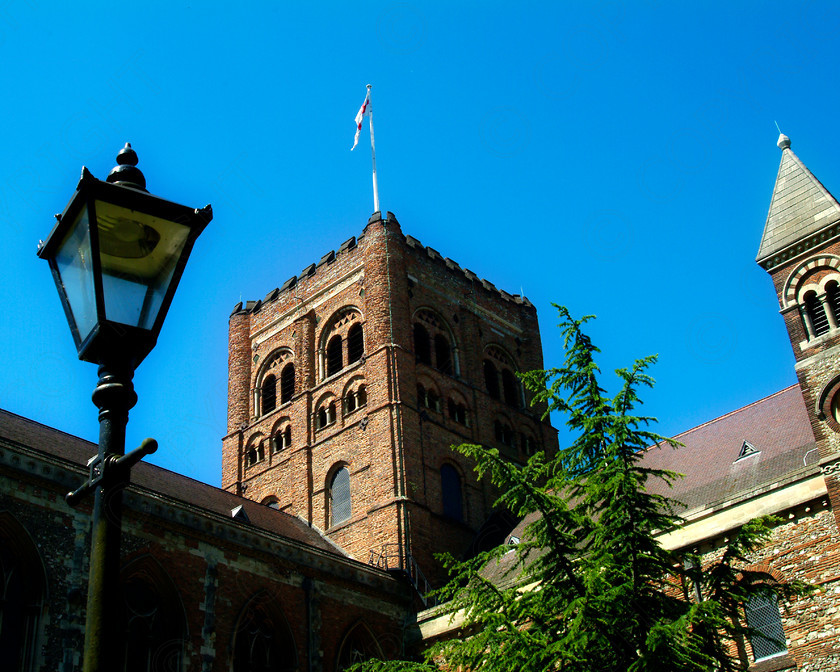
[349, 384]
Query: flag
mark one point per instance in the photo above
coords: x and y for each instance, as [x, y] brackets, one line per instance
[364, 111]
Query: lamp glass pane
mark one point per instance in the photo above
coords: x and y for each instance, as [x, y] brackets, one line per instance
[74, 262]
[139, 254]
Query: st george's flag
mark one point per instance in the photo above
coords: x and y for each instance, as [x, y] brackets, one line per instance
[364, 111]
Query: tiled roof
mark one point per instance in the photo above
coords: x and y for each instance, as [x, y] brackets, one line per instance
[72, 449]
[800, 207]
[776, 426]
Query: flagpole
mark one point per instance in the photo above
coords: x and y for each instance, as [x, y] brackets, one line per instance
[373, 157]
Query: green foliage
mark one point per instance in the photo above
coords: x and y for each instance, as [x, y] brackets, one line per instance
[589, 587]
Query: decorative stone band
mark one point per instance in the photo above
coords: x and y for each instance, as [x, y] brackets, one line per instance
[832, 469]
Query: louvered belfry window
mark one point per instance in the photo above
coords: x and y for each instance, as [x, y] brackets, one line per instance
[355, 344]
[340, 497]
[763, 616]
[334, 356]
[269, 394]
[816, 311]
[832, 292]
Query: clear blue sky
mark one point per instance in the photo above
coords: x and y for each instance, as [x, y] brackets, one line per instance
[615, 157]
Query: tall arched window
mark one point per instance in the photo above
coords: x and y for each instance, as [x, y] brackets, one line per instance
[263, 641]
[816, 311]
[768, 639]
[268, 394]
[339, 497]
[443, 354]
[491, 379]
[355, 344]
[22, 592]
[335, 360]
[422, 344]
[153, 622]
[510, 388]
[450, 489]
[358, 646]
[832, 293]
[287, 383]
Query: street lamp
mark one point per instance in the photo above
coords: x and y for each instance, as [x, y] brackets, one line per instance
[117, 254]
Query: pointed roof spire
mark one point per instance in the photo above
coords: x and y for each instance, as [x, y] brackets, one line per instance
[801, 206]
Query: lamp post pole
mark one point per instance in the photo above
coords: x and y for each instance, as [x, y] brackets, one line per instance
[117, 254]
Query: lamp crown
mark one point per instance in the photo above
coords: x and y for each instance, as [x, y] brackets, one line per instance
[126, 172]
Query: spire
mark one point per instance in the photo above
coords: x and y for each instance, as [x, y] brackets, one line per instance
[801, 206]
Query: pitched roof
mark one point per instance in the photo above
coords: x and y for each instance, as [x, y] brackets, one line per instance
[715, 463]
[15, 429]
[800, 207]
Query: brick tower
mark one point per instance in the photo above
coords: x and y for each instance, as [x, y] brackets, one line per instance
[800, 249]
[348, 385]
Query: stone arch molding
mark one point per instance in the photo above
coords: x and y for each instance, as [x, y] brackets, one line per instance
[792, 288]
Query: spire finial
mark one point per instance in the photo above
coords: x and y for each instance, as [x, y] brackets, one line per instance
[783, 142]
[126, 171]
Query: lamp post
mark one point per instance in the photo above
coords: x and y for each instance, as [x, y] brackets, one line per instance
[117, 254]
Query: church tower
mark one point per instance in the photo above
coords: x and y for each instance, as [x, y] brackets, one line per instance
[349, 383]
[800, 249]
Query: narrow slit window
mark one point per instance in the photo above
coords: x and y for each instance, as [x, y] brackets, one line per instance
[340, 497]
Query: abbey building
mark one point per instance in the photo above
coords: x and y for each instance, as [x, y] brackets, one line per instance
[347, 385]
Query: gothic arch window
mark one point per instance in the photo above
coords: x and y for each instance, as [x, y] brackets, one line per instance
[23, 587]
[358, 645]
[287, 383]
[338, 497]
[763, 617]
[355, 343]
[434, 343]
[451, 495]
[268, 394]
[263, 641]
[500, 368]
[153, 621]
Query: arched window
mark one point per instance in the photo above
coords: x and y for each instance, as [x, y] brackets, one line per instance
[355, 344]
[816, 311]
[458, 412]
[282, 439]
[528, 444]
[450, 488]
[768, 638]
[491, 379]
[22, 592]
[326, 415]
[263, 641]
[254, 454]
[503, 433]
[153, 627]
[358, 646]
[268, 394]
[335, 361]
[287, 383]
[510, 388]
[832, 293]
[443, 354]
[422, 345]
[361, 396]
[339, 497]
[350, 403]
[421, 396]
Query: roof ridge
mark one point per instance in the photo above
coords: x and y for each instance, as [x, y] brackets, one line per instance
[45, 426]
[737, 410]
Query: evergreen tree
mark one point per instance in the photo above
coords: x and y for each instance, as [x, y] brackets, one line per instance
[589, 588]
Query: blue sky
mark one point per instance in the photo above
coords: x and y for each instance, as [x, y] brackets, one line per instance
[615, 157]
